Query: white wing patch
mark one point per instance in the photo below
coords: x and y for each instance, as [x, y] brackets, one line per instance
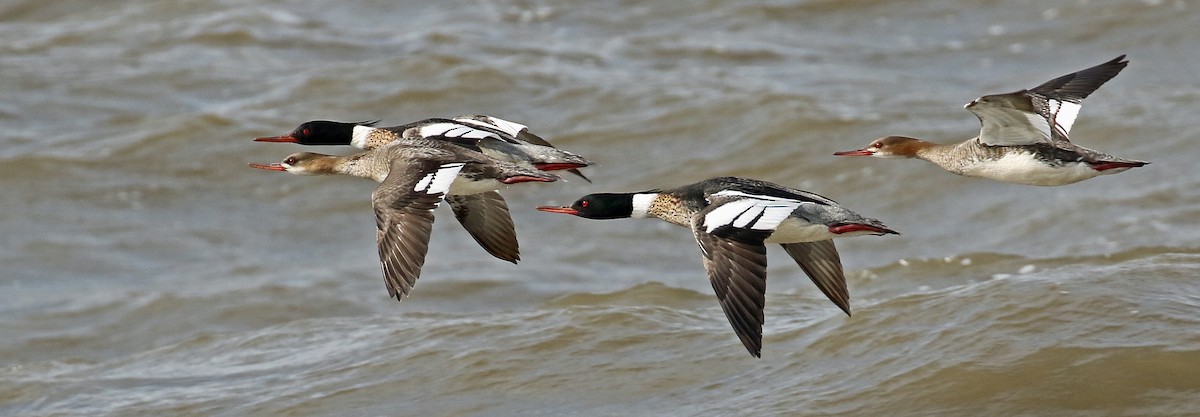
[1064, 113]
[729, 214]
[453, 130]
[508, 127]
[755, 212]
[511, 128]
[479, 123]
[438, 182]
[731, 193]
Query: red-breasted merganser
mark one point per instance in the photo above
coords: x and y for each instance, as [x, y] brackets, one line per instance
[733, 219]
[413, 178]
[1023, 138]
[495, 137]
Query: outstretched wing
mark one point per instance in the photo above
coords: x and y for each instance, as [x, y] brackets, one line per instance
[509, 128]
[404, 204]
[820, 260]
[738, 214]
[452, 131]
[1059, 100]
[1044, 113]
[737, 268]
[516, 130]
[486, 218]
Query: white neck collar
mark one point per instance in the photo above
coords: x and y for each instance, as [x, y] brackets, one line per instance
[641, 205]
[359, 138]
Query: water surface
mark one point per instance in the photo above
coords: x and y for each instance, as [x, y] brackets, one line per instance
[148, 271]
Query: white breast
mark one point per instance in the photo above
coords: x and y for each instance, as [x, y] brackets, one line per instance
[1024, 168]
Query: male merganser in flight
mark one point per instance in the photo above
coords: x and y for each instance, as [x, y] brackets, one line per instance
[733, 219]
[495, 137]
[1024, 136]
[413, 178]
[467, 196]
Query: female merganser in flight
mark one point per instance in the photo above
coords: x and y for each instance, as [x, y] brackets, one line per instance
[495, 137]
[733, 219]
[413, 178]
[1024, 136]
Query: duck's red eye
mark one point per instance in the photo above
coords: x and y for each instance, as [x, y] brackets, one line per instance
[583, 204]
[290, 161]
[876, 145]
[307, 132]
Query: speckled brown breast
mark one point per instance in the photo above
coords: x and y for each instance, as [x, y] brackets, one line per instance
[672, 209]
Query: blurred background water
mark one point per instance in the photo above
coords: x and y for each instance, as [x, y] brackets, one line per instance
[148, 271]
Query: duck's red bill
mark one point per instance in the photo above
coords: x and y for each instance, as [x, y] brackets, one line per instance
[557, 166]
[860, 152]
[853, 227]
[525, 178]
[559, 210]
[269, 167]
[284, 138]
[1103, 166]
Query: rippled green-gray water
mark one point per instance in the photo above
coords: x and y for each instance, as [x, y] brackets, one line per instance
[146, 271]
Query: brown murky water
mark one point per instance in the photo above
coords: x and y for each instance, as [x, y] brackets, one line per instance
[148, 271]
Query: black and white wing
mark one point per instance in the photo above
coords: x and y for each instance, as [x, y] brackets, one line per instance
[1044, 113]
[741, 214]
[1060, 99]
[486, 218]
[820, 260]
[518, 131]
[404, 204]
[452, 131]
[512, 129]
[737, 269]
[746, 213]
[731, 231]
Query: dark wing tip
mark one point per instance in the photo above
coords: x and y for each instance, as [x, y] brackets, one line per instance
[486, 218]
[737, 271]
[580, 174]
[747, 329]
[404, 222]
[525, 135]
[1079, 85]
[823, 265]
